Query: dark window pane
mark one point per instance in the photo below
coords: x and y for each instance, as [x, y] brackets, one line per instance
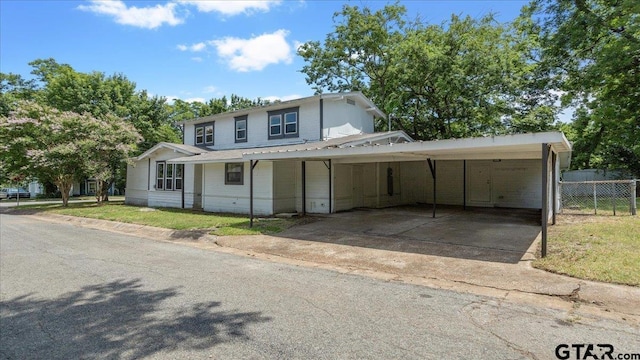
[179, 170]
[159, 184]
[169, 183]
[208, 139]
[178, 184]
[199, 135]
[160, 173]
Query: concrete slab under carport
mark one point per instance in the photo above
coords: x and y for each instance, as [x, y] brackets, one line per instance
[484, 234]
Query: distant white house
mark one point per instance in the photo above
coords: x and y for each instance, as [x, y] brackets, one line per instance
[320, 154]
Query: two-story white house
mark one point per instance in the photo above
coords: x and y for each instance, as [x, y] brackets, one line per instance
[320, 154]
[209, 172]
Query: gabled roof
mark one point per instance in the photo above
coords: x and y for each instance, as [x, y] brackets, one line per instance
[354, 95]
[345, 141]
[181, 148]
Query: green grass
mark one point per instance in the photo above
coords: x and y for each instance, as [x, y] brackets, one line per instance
[600, 248]
[177, 219]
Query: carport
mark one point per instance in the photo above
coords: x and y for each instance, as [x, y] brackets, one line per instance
[528, 160]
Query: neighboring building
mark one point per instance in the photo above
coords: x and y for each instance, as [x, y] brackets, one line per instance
[320, 154]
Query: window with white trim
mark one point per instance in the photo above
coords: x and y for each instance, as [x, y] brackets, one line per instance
[234, 173]
[204, 134]
[169, 176]
[283, 123]
[241, 129]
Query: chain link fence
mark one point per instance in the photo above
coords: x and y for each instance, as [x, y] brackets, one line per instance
[610, 197]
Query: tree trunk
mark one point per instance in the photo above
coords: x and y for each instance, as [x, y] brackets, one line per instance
[99, 191]
[64, 184]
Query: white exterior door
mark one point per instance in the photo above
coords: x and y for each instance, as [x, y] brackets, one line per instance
[479, 181]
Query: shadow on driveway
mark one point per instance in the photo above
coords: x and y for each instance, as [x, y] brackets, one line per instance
[486, 234]
[114, 320]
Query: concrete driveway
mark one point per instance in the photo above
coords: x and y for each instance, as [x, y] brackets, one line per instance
[497, 235]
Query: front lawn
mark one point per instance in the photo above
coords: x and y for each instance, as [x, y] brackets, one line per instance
[602, 248]
[177, 219]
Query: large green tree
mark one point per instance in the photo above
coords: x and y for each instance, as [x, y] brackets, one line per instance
[466, 77]
[593, 48]
[63, 146]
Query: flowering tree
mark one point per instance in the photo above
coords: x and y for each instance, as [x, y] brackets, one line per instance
[63, 147]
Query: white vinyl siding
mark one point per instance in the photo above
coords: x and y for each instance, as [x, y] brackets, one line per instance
[218, 197]
[341, 119]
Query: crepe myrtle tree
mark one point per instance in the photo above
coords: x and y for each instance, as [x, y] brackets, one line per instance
[63, 147]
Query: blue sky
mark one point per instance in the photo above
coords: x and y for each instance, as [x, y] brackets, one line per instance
[192, 50]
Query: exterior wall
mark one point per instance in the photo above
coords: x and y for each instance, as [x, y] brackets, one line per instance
[136, 192]
[258, 130]
[141, 182]
[343, 191]
[317, 189]
[449, 182]
[365, 185]
[341, 119]
[284, 186]
[507, 183]
[188, 182]
[518, 183]
[218, 197]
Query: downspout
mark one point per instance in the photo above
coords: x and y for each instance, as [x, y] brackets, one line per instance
[148, 177]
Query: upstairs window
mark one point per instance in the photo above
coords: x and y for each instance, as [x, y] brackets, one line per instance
[290, 123]
[241, 129]
[204, 134]
[283, 123]
[275, 126]
[168, 176]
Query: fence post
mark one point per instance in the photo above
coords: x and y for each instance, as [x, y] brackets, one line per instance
[633, 184]
[595, 200]
[615, 198]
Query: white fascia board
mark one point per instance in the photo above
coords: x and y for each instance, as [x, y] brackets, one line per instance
[163, 145]
[188, 160]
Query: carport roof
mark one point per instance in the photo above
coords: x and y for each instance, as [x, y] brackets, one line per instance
[215, 156]
[398, 146]
[520, 146]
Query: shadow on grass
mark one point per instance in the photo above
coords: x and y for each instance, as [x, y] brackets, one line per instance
[115, 320]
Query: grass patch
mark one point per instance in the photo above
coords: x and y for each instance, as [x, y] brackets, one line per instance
[177, 219]
[600, 248]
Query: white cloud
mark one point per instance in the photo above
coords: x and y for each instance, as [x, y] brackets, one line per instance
[195, 99]
[194, 47]
[145, 17]
[256, 53]
[198, 47]
[230, 8]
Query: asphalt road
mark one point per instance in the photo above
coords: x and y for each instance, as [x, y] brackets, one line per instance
[68, 292]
